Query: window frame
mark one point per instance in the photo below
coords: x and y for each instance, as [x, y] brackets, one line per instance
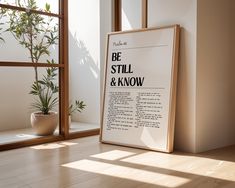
[63, 75]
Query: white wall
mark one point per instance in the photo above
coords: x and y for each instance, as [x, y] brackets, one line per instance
[84, 57]
[105, 27]
[205, 98]
[183, 12]
[215, 81]
[89, 21]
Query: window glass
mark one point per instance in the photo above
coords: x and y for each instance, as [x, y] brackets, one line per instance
[17, 103]
[36, 42]
[40, 4]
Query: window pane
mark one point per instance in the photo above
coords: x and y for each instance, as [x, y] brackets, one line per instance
[16, 103]
[17, 43]
[40, 4]
[131, 14]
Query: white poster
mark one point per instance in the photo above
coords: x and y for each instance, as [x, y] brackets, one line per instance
[140, 82]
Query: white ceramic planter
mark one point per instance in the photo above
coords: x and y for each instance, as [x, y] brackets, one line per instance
[44, 125]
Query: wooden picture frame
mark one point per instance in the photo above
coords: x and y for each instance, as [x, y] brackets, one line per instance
[139, 98]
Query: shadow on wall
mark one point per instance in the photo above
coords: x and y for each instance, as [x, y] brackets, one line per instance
[183, 104]
[84, 80]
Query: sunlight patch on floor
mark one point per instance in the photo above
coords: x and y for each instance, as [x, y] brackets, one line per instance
[187, 164]
[127, 173]
[113, 155]
[53, 145]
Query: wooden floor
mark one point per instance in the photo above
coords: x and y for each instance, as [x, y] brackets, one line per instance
[85, 163]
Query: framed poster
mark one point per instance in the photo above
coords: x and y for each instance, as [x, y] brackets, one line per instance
[140, 88]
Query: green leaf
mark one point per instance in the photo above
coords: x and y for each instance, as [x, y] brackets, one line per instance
[47, 7]
[1, 39]
[41, 82]
[78, 106]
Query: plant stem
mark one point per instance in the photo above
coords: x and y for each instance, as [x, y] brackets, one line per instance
[34, 60]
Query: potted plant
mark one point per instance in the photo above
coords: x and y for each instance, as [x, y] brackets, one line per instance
[78, 106]
[44, 121]
[37, 34]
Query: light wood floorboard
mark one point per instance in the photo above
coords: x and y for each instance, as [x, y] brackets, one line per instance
[85, 163]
